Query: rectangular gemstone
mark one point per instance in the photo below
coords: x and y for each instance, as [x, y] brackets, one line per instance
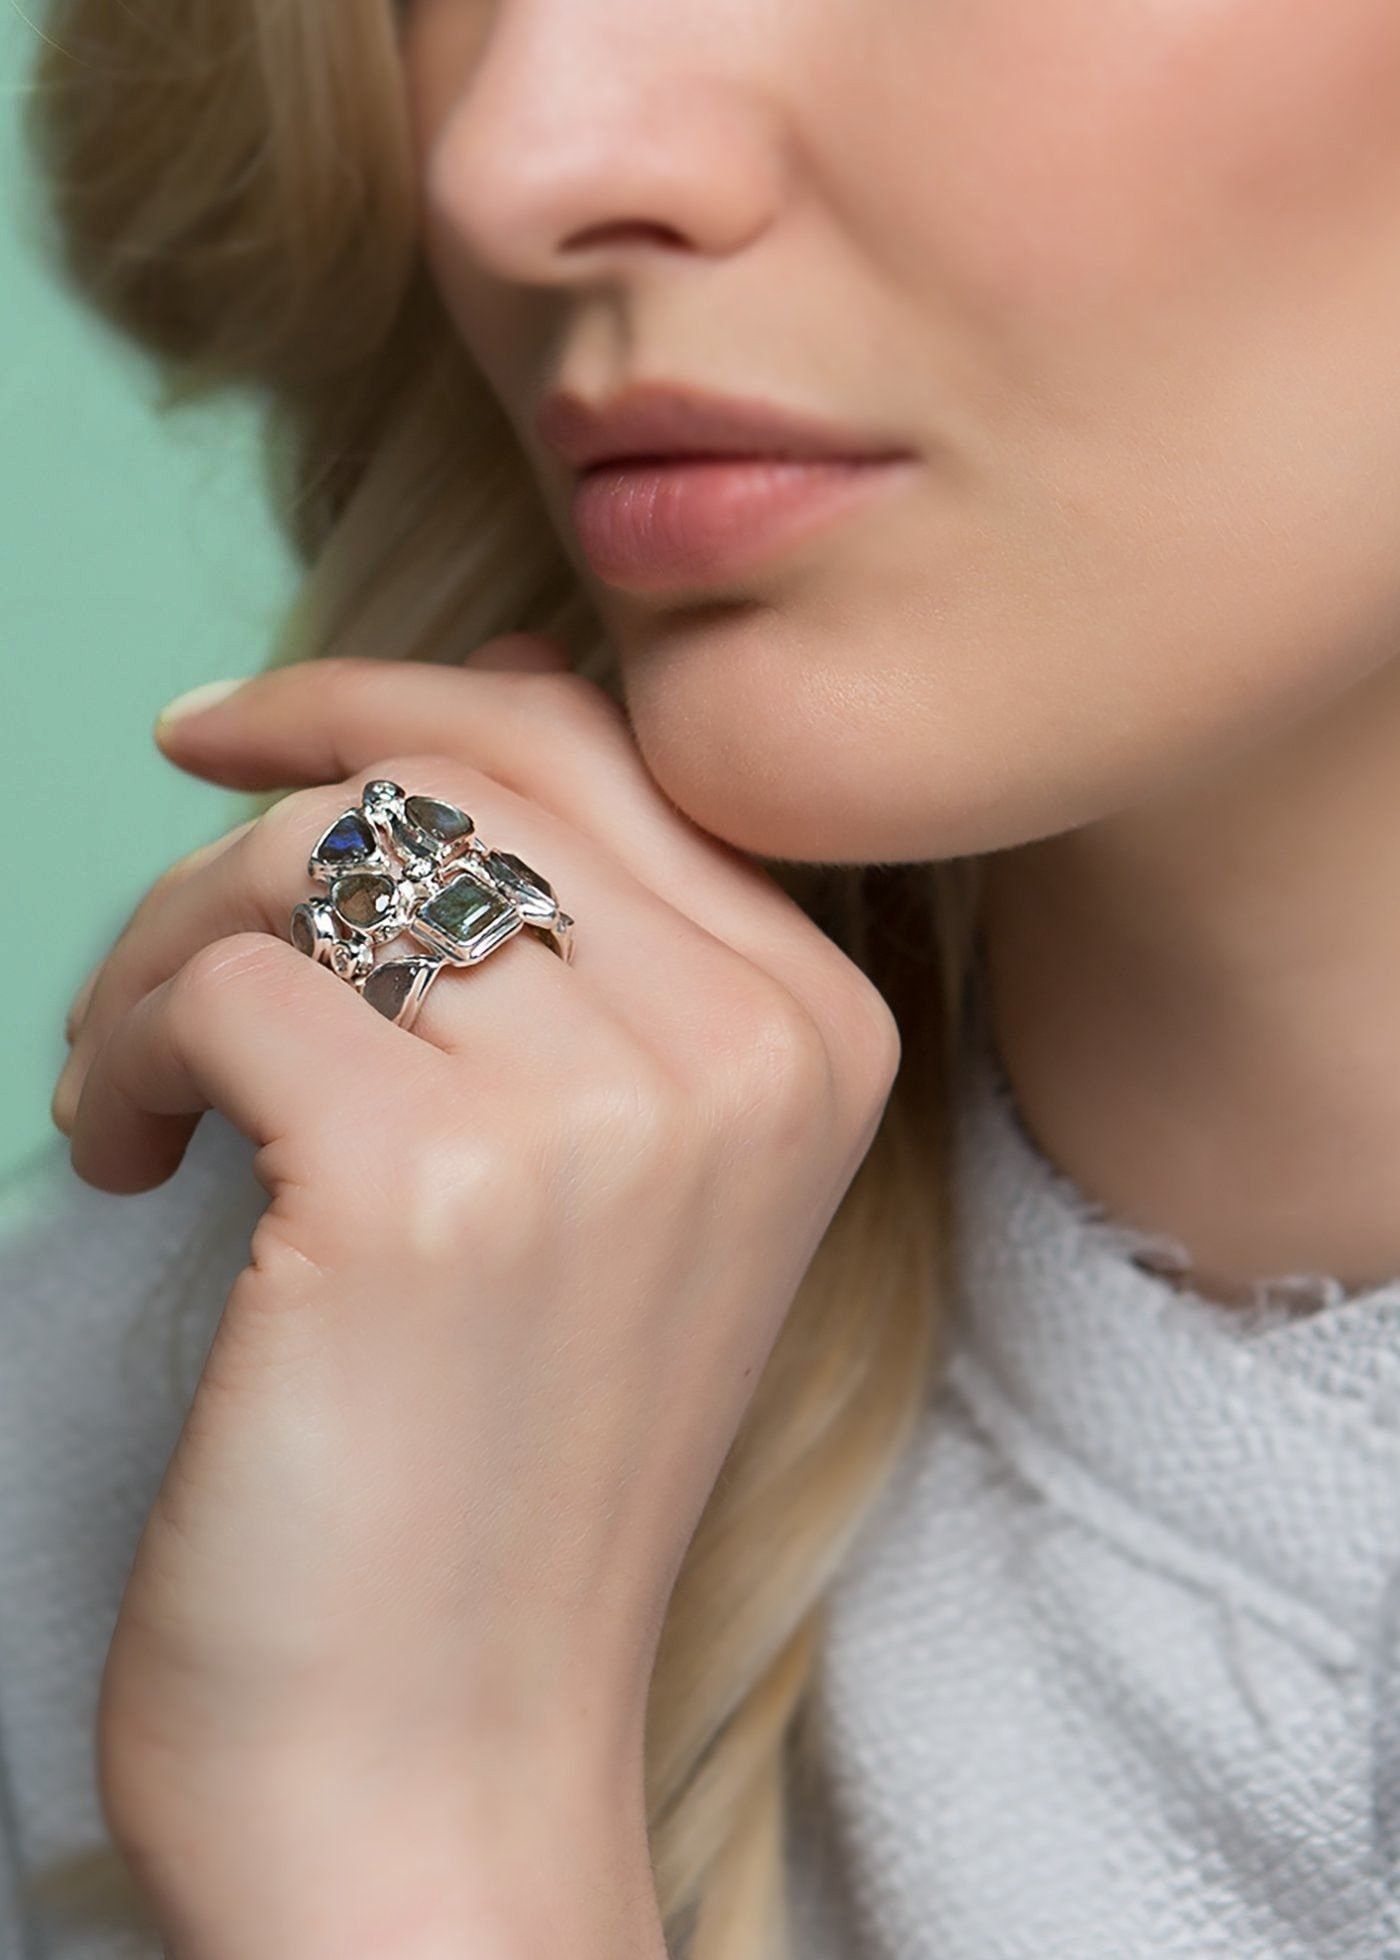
[463, 912]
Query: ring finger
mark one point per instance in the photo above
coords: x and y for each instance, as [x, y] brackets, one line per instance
[255, 883]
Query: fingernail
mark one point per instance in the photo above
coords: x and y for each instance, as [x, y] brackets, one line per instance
[64, 1104]
[194, 701]
[78, 1009]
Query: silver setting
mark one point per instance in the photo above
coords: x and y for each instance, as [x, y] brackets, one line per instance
[320, 930]
[499, 919]
[534, 899]
[422, 863]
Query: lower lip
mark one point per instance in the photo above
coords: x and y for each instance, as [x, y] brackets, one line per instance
[654, 525]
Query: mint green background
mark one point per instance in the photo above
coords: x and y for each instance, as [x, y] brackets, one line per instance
[136, 559]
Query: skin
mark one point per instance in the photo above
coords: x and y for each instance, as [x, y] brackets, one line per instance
[1126, 274]
[411, 1554]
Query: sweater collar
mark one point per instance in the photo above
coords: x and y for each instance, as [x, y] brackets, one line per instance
[1264, 1444]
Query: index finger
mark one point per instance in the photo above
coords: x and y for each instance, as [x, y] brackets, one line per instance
[551, 736]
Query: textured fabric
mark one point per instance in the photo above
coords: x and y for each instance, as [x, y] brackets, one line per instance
[1113, 1670]
[94, 1385]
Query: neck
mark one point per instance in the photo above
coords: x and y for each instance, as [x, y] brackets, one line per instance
[1197, 1002]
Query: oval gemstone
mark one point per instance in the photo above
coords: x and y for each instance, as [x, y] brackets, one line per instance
[363, 898]
[303, 932]
[441, 820]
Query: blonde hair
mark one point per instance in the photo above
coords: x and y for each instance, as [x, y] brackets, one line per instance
[229, 183]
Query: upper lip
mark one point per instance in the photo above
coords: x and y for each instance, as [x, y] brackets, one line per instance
[660, 419]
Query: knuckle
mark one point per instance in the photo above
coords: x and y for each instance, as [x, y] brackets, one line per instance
[474, 1193]
[206, 975]
[419, 773]
[776, 1069]
[409, 770]
[283, 830]
[875, 1043]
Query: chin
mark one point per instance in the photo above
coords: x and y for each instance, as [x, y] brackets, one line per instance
[785, 755]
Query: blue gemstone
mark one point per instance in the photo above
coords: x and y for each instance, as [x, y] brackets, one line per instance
[347, 840]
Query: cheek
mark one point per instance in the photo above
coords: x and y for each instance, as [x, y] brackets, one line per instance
[440, 41]
[1032, 165]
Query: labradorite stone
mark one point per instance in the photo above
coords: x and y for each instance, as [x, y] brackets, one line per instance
[515, 871]
[348, 839]
[461, 909]
[303, 936]
[387, 986]
[441, 820]
[363, 898]
[409, 840]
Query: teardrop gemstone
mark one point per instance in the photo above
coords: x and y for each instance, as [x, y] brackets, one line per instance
[389, 985]
[443, 821]
[348, 841]
[363, 898]
[412, 846]
[516, 875]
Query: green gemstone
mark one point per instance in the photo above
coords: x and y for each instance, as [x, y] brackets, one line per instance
[461, 909]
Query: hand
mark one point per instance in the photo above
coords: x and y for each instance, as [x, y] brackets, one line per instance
[519, 1273]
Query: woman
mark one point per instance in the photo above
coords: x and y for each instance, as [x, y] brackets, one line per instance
[852, 1412]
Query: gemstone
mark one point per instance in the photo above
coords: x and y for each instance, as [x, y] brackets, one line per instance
[465, 921]
[461, 909]
[441, 820]
[303, 932]
[389, 985]
[514, 871]
[348, 841]
[363, 898]
[409, 841]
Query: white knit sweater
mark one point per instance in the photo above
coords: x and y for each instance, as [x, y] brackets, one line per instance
[1113, 1672]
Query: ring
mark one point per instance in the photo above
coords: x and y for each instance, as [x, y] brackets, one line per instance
[400, 864]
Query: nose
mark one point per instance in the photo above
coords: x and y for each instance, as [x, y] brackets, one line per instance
[585, 135]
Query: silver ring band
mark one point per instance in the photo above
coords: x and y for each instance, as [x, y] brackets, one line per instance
[399, 864]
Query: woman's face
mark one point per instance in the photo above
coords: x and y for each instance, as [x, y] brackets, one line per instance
[1124, 275]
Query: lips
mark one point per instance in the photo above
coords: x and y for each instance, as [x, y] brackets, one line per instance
[676, 488]
[657, 420]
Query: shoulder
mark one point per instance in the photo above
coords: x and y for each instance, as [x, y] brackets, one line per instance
[107, 1307]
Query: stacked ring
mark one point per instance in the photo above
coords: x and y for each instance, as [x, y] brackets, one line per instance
[398, 864]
